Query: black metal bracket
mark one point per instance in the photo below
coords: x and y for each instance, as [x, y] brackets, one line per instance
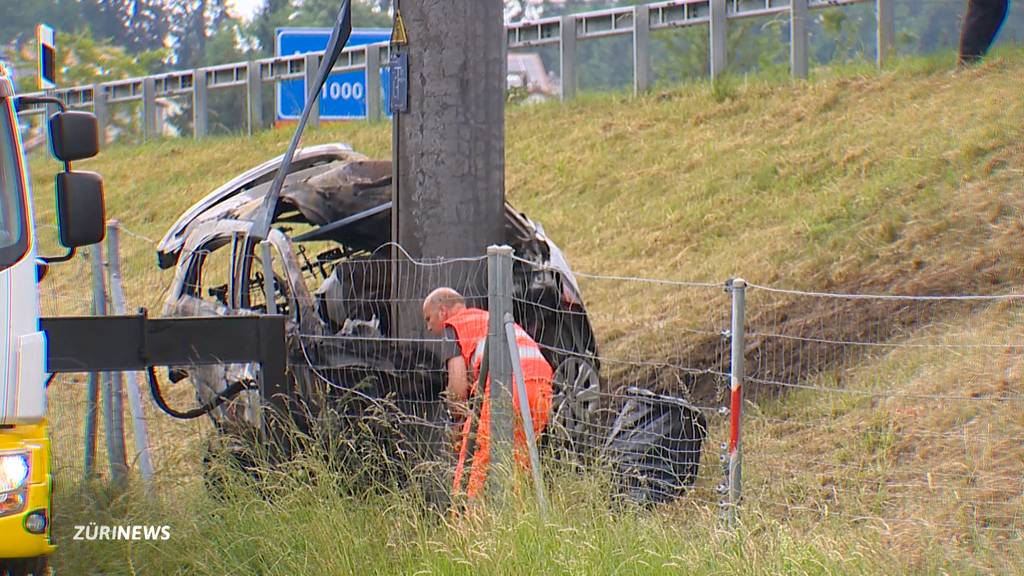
[114, 343]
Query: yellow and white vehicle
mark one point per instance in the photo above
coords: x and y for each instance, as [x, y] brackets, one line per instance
[26, 481]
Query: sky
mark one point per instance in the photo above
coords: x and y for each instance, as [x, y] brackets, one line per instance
[246, 9]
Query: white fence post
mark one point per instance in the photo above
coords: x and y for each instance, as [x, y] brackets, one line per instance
[134, 398]
[113, 407]
[92, 410]
[798, 39]
[499, 303]
[739, 290]
[524, 413]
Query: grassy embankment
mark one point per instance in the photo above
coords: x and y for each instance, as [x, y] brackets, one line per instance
[908, 181]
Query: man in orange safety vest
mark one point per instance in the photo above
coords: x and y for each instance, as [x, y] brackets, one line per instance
[445, 313]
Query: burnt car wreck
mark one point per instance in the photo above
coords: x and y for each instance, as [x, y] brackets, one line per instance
[332, 266]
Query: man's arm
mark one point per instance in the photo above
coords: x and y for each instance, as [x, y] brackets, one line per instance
[458, 386]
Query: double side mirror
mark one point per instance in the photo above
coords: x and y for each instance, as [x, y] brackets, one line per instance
[74, 135]
[81, 216]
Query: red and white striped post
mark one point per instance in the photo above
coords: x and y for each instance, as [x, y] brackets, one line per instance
[739, 290]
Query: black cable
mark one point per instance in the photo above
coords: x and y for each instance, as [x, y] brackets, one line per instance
[230, 392]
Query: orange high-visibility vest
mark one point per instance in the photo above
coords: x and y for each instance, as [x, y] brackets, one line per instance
[470, 326]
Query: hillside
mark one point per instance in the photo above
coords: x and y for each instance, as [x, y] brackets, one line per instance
[904, 446]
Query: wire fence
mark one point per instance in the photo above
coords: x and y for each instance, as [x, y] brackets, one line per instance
[903, 412]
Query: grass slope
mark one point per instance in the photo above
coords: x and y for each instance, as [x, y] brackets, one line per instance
[909, 181]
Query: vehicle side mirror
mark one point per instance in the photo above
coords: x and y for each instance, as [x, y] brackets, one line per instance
[74, 135]
[81, 217]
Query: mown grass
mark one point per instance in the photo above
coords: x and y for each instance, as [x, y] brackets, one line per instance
[906, 181]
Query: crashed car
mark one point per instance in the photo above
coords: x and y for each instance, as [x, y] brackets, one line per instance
[332, 281]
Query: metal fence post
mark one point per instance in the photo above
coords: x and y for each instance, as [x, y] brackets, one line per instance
[119, 305]
[886, 31]
[641, 48]
[373, 89]
[739, 291]
[113, 407]
[524, 413]
[718, 41]
[102, 111]
[499, 303]
[567, 56]
[254, 93]
[311, 65]
[200, 115]
[99, 308]
[798, 39]
[149, 108]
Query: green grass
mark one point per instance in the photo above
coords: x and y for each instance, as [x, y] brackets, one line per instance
[906, 181]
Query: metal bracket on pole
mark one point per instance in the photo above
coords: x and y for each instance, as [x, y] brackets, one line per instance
[567, 56]
[524, 413]
[738, 288]
[499, 303]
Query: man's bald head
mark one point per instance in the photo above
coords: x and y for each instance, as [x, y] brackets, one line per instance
[439, 305]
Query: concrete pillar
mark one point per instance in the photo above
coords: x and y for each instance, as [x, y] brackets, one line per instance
[101, 108]
[200, 114]
[254, 93]
[798, 39]
[567, 56]
[641, 48]
[149, 109]
[718, 45]
[373, 93]
[312, 66]
[449, 152]
[886, 32]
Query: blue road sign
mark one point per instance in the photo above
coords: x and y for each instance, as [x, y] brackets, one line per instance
[344, 94]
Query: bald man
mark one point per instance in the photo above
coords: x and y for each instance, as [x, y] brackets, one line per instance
[445, 312]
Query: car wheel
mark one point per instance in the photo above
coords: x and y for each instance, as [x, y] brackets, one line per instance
[576, 399]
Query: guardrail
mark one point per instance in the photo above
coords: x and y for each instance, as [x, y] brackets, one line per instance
[565, 31]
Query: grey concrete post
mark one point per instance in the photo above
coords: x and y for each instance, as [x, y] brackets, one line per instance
[737, 375]
[149, 108]
[200, 114]
[567, 56]
[374, 99]
[312, 66]
[886, 31]
[254, 93]
[101, 108]
[718, 38]
[798, 39]
[499, 303]
[120, 306]
[641, 48]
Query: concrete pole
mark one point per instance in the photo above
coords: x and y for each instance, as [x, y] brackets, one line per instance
[199, 112]
[886, 33]
[641, 49]
[567, 56]
[373, 94]
[254, 93]
[101, 109]
[449, 149]
[149, 109]
[798, 39]
[718, 45]
[312, 66]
